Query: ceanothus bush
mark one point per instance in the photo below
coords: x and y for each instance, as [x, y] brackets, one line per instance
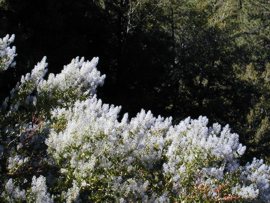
[60, 143]
[7, 53]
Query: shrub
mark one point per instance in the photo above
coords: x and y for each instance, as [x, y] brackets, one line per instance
[60, 143]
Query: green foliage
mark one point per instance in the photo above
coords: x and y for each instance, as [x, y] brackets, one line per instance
[257, 119]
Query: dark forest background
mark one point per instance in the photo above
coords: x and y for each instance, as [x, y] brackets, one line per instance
[175, 58]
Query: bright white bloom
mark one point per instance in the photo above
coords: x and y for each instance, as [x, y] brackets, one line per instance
[37, 74]
[22, 93]
[108, 145]
[246, 192]
[80, 76]
[15, 162]
[78, 80]
[257, 173]
[194, 144]
[144, 137]
[13, 193]
[7, 53]
[72, 193]
[39, 190]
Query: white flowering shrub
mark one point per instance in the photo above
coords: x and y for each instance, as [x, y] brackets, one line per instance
[60, 143]
[7, 53]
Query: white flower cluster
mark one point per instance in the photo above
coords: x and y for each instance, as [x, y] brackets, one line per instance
[257, 175]
[247, 192]
[72, 194]
[78, 79]
[22, 93]
[133, 157]
[15, 162]
[79, 75]
[7, 53]
[13, 193]
[108, 147]
[200, 153]
[37, 74]
[39, 190]
[36, 193]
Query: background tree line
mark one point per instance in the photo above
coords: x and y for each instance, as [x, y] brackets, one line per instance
[177, 58]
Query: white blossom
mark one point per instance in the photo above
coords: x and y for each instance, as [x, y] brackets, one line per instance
[79, 75]
[12, 192]
[7, 53]
[73, 193]
[246, 192]
[16, 161]
[39, 190]
[257, 173]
